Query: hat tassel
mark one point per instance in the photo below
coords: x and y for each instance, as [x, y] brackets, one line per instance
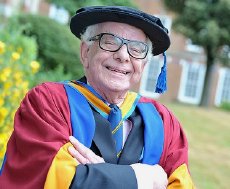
[161, 86]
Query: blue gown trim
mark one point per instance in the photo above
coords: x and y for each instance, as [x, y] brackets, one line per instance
[153, 133]
[83, 125]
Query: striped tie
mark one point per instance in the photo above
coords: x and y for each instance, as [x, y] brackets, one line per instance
[115, 119]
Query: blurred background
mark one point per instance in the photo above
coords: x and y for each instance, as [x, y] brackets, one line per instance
[36, 45]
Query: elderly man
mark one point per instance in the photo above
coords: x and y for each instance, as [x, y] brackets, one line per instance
[94, 132]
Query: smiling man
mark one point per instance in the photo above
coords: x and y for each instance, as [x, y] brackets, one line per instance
[110, 65]
[94, 132]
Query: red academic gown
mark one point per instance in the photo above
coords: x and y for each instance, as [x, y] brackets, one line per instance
[42, 128]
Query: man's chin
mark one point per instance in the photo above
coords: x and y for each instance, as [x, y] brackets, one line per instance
[118, 87]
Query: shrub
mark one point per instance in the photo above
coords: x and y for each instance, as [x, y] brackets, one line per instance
[225, 106]
[57, 45]
[18, 67]
[52, 75]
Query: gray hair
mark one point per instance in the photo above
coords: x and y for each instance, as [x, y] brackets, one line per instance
[91, 31]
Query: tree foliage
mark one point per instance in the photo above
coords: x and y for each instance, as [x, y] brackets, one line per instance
[176, 5]
[206, 23]
[57, 45]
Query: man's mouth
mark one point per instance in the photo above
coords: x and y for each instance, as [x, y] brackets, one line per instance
[116, 70]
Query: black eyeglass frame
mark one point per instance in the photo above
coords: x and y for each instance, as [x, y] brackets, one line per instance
[123, 40]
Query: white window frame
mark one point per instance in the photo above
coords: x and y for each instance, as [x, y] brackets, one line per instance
[157, 63]
[59, 14]
[7, 9]
[184, 79]
[33, 6]
[223, 72]
[190, 46]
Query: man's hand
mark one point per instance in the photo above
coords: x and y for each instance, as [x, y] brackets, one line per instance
[83, 154]
[150, 176]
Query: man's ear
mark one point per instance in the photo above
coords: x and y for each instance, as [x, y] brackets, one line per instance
[84, 49]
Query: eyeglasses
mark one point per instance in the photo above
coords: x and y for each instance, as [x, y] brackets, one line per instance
[112, 43]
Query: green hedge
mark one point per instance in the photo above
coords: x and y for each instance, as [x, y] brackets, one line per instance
[57, 45]
[225, 106]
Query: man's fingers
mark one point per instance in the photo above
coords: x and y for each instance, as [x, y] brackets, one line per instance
[84, 152]
[74, 141]
[81, 159]
[100, 159]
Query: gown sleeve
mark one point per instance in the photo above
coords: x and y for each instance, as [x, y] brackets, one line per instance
[41, 128]
[174, 159]
[104, 175]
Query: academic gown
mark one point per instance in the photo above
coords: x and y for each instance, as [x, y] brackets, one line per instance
[37, 155]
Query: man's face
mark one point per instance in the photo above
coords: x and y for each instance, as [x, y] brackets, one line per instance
[113, 71]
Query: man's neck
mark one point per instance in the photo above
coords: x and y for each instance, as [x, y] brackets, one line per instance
[111, 97]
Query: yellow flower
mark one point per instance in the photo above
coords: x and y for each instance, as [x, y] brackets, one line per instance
[35, 66]
[19, 49]
[2, 47]
[18, 75]
[16, 93]
[15, 56]
[25, 85]
[4, 137]
[3, 94]
[1, 101]
[3, 113]
[5, 74]
[7, 85]
[3, 142]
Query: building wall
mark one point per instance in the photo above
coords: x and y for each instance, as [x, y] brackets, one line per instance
[174, 75]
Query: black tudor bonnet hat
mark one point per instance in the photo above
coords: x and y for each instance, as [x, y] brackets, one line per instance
[149, 24]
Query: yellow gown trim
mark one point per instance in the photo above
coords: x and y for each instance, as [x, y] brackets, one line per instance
[126, 106]
[180, 179]
[62, 170]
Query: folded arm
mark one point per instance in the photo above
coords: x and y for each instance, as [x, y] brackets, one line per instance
[93, 172]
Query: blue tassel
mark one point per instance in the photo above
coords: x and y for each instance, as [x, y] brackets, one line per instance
[161, 86]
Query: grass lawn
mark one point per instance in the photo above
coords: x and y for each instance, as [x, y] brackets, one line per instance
[208, 132]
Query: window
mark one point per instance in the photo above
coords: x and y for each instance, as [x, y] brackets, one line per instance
[32, 6]
[150, 76]
[153, 68]
[192, 81]
[192, 47]
[3, 10]
[223, 87]
[59, 14]
[9, 8]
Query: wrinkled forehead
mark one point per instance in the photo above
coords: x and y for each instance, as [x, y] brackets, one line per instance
[123, 30]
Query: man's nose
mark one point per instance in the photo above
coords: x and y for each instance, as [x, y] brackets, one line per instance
[122, 54]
